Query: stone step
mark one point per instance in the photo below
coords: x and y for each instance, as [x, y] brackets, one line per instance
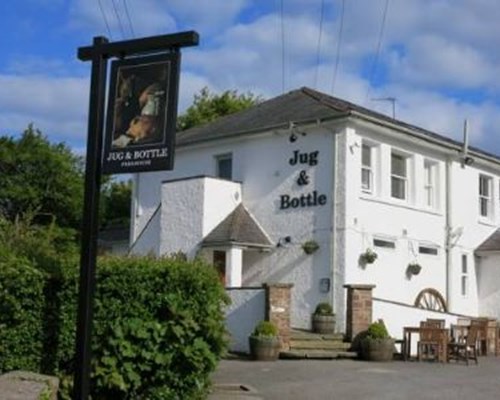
[296, 334]
[319, 344]
[317, 355]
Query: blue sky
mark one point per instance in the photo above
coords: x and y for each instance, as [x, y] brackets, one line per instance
[440, 59]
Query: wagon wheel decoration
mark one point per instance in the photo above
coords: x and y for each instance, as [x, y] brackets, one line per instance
[431, 299]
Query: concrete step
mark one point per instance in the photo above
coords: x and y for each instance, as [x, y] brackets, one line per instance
[317, 355]
[320, 344]
[299, 334]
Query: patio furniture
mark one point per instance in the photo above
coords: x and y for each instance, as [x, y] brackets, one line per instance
[433, 341]
[467, 349]
[438, 323]
[408, 331]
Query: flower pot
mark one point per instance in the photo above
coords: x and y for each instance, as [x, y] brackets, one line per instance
[377, 349]
[324, 324]
[264, 348]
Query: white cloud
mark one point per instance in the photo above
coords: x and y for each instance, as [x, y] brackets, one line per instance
[55, 105]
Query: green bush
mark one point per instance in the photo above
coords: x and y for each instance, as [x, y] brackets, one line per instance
[21, 315]
[265, 329]
[377, 330]
[323, 309]
[158, 327]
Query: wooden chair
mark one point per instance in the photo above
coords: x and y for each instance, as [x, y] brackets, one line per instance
[430, 345]
[482, 336]
[438, 323]
[465, 350]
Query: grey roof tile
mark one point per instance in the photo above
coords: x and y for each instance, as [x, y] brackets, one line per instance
[239, 227]
[492, 243]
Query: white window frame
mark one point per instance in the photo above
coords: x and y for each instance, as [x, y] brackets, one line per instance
[428, 249]
[400, 178]
[464, 276]
[485, 196]
[430, 183]
[367, 170]
[218, 159]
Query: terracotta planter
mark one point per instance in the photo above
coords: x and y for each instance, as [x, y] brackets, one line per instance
[264, 348]
[377, 349]
[324, 324]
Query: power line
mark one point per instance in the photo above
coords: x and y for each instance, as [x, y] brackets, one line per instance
[118, 18]
[319, 42]
[103, 14]
[337, 57]
[379, 44]
[125, 6]
[282, 48]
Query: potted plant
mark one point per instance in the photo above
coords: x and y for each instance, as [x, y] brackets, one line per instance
[376, 344]
[310, 246]
[368, 257]
[323, 319]
[265, 342]
[414, 268]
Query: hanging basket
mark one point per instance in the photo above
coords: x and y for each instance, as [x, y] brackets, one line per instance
[310, 246]
[414, 268]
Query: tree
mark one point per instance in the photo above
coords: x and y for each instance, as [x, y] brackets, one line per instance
[41, 179]
[115, 203]
[207, 107]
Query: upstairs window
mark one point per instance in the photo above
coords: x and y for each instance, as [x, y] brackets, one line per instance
[430, 180]
[485, 198]
[366, 168]
[399, 176]
[224, 166]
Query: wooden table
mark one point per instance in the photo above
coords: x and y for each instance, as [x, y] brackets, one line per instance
[408, 331]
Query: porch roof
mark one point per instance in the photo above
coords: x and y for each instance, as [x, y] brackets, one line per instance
[238, 228]
[491, 244]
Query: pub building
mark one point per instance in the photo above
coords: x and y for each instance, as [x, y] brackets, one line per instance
[250, 189]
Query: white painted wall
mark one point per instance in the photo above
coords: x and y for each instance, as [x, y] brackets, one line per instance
[489, 284]
[247, 308]
[191, 208]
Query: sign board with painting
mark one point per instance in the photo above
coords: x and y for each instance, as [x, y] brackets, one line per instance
[142, 112]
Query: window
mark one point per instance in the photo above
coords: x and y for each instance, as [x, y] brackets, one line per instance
[485, 197]
[224, 166]
[366, 168]
[464, 278]
[399, 181]
[430, 183]
[389, 244]
[431, 250]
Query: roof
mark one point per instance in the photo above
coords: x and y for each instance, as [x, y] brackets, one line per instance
[301, 106]
[114, 233]
[492, 243]
[239, 227]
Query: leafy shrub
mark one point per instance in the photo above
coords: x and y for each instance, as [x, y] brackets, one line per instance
[377, 330]
[158, 328]
[21, 315]
[323, 309]
[265, 329]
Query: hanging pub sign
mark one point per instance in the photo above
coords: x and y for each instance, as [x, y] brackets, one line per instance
[142, 112]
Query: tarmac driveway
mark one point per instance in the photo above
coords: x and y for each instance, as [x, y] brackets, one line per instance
[356, 380]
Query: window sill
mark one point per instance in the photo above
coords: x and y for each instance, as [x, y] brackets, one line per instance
[487, 222]
[399, 203]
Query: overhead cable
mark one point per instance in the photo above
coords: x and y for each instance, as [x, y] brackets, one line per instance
[339, 42]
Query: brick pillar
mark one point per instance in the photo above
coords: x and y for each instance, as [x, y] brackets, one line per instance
[359, 309]
[278, 309]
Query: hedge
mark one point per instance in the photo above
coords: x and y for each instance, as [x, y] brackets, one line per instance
[158, 328]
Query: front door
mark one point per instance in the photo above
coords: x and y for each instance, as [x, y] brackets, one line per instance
[219, 262]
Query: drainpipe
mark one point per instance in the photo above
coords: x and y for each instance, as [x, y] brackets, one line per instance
[333, 255]
[448, 229]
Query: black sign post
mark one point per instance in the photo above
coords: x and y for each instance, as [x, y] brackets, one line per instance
[157, 107]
